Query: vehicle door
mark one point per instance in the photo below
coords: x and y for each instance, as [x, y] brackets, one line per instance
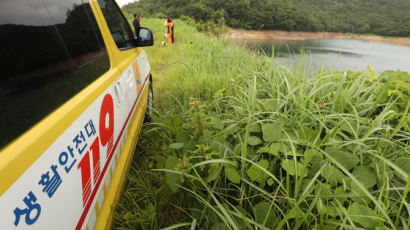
[63, 114]
[132, 61]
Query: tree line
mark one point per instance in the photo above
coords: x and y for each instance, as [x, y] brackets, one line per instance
[383, 17]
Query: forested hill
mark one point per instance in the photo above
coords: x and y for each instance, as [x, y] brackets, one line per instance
[383, 17]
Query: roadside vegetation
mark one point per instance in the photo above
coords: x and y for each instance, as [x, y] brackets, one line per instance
[240, 142]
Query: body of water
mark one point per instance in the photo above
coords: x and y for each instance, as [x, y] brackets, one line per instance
[339, 54]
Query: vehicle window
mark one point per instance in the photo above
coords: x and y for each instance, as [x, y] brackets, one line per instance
[118, 25]
[50, 50]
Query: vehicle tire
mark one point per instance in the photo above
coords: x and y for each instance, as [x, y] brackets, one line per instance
[150, 103]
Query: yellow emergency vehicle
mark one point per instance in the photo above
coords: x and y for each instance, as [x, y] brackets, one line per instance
[74, 90]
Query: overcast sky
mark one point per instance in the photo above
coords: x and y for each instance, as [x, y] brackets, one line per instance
[124, 2]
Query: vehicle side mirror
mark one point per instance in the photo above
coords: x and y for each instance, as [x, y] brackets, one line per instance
[145, 37]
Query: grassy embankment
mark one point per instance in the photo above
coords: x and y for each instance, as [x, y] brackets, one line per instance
[239, 142]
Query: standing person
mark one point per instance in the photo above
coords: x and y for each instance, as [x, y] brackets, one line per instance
[137, 24]
[168, 24]
[172, 28]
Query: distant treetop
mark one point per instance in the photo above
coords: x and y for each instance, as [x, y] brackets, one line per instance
[383, 17]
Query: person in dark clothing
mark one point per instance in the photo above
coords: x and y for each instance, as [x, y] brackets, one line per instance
[137, 24]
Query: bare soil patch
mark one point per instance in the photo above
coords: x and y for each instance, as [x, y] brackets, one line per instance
[241, 34]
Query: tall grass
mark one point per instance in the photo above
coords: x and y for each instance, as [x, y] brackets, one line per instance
[240, 142]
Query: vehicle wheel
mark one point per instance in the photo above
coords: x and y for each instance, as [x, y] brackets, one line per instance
[150, 103]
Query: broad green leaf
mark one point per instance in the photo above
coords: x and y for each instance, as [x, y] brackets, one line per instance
[160, 162]
[297, 153]
[341, 195]
[178, 145]
[307, 133]
[264, 214]
[296, 214]
[256, 174]
[320, 207]
[363, 215]
[332, 211]
[232, 174]
[164, 192]
[189, 146]
[366, 175]
[217, 123]
[349, 126]
[270, 105]
[271, 132]
[272, 149]
[312, 153]
[324, 207]
[254, 140]
[323, 190]
[363, 130]
[217, 142]
[324, 193]
[332, 174]
[333, 140]
[316, 164]
[172, 179]
[181, 135]
[289, 166]
[231, 129]
[304, 184]
[240, 221]
[404, 163]
[346, 159]
[354, 147]
[213, 172]
[211, 217]
[291, 133]
[280, 147]
[358, 195]
[268, 150]
[255, 128]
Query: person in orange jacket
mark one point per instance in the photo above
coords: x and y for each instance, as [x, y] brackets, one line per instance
[139, 18]
[137, 24]
[169, 24]
[173, 23]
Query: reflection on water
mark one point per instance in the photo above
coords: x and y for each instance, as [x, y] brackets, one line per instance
[338, 54]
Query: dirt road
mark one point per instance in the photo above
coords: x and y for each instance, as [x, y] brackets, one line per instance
[299, 36]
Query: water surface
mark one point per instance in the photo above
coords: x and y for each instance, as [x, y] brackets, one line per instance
[339, 54]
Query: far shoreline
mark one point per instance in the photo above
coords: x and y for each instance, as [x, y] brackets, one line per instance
[279, 35]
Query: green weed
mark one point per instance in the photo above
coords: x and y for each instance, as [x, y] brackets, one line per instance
[240, 142]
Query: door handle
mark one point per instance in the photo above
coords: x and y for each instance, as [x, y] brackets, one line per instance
[118, 92]
[129, 78]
